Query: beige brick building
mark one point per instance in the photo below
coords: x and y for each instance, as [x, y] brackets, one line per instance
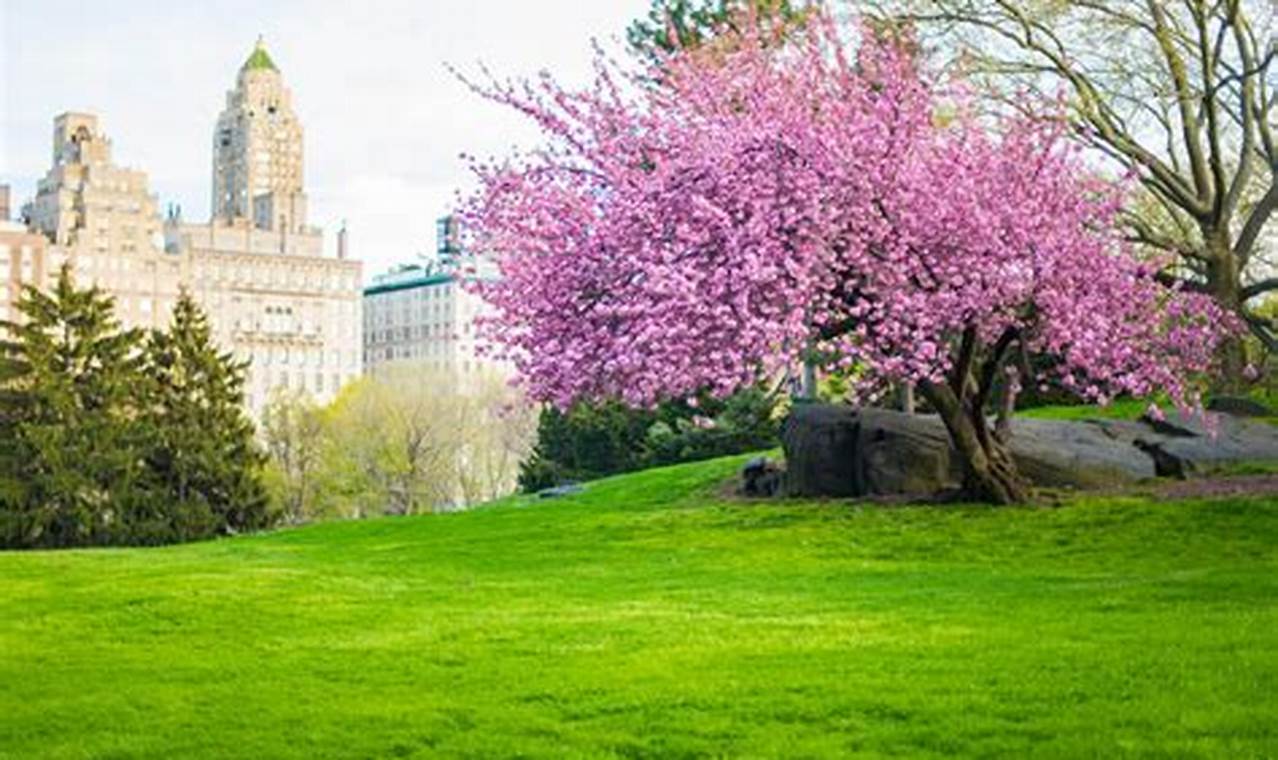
[102, 218]
[423, 315]
[256, 266]
[22, 258]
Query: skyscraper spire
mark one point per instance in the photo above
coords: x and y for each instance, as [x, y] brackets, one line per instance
[259, 58]
[257, 151]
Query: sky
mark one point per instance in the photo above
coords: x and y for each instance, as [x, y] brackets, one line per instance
[384, 120]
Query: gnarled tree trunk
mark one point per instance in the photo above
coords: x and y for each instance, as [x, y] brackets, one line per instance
[989, 473]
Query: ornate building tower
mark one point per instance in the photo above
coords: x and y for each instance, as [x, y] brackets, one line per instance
[101, 218]
[259, 269]
[85, 200]
[273, 297]
[257, 151]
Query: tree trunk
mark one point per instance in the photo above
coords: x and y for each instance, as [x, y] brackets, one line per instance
[1224, 282]
[989, 473]
[808, 388]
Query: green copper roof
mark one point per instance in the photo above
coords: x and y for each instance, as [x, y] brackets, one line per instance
[259, 59]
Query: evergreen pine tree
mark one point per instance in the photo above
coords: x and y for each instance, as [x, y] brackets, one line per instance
[202, 454]
[68, 393]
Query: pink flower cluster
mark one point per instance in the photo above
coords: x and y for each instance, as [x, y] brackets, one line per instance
[766, 202]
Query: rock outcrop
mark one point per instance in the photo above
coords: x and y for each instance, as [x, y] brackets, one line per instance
[834, 450]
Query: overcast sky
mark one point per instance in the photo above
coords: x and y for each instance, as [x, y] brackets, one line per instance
[384, 122]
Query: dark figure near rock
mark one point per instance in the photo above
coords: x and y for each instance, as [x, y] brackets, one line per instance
[760, 477]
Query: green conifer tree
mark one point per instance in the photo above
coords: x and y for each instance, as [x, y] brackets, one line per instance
[69, 386]
[202, 454]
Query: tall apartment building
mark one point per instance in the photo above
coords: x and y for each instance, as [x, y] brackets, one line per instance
[424, 315]
[22, 258]
[256, 266]
[102, 218]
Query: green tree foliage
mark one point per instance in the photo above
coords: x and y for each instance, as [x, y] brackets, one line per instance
[71, 429]
[589, 440]
[201, 453]
[392, 445]
[407, 440]
[676, 24]
[592, 440]
[294, 430]
[109, 438]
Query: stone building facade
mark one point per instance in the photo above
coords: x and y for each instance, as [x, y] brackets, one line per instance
[23, 259]
[423, 314]
[256, 266]
[102, 219]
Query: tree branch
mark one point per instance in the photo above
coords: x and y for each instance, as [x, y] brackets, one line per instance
[1259, 288]
[1256, 222]
[989, 372]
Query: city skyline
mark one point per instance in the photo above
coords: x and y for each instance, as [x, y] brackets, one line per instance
[385, 120]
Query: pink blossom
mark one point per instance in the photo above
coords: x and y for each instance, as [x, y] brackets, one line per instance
[766, 200]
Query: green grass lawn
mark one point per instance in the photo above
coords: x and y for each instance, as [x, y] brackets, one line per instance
[648, 618]
[1122, 409]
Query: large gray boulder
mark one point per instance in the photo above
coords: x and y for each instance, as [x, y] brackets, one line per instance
[1065, 454]
[1189, 446]
[821, 450]
[834, 450]
[903, 454]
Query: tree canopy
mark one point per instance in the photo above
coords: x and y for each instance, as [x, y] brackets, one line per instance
[113, 437]
[772, 198]
[1182, 95]
[673, 25]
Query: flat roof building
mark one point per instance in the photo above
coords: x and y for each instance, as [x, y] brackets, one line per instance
[424, 313]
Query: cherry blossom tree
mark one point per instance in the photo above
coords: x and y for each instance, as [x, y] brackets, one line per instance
[817, 199]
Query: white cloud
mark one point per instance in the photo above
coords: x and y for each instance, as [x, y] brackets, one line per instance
[384, 120]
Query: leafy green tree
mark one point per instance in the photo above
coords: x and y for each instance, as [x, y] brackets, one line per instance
[676, 24]
[587, 441]
[296, 439]
[69, 374]
[406, 440]
[594, 439]
[202, 456]
[744, 421]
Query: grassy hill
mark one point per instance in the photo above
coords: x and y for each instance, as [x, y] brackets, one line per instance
[647, 617]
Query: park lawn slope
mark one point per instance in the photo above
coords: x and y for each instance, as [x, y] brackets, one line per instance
[649, 617]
